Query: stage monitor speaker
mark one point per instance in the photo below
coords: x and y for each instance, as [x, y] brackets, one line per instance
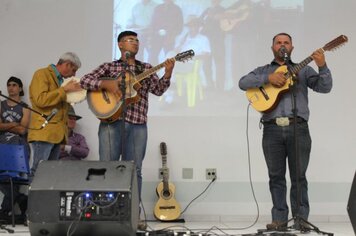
[83, 198]
[351, 206]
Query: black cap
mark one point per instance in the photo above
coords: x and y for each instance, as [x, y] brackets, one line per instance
[17, 81]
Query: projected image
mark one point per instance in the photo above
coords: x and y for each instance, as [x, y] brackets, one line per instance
[225, 35]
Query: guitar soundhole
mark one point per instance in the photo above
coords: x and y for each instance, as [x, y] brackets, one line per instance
[106, 97]
[166, 193]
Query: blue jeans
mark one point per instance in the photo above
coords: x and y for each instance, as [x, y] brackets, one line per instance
[278, 144]
[43, 151]
[111, 148]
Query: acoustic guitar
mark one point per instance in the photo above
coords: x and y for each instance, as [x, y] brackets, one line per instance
[108, 106]
[167, 208]
[266, 97]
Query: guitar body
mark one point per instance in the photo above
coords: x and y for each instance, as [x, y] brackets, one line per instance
[265, 98]
[107, 106]
[167, 208]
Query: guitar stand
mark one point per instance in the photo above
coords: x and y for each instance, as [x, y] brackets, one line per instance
[303, 226]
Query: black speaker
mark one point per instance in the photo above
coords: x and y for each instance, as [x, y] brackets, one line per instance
[83, 198]
[351, 205]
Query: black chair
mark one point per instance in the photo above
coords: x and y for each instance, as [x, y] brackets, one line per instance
[14, 169]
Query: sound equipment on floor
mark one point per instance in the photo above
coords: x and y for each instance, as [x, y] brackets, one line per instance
[84, 198]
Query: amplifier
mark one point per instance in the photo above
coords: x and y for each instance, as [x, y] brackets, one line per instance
[83, 198]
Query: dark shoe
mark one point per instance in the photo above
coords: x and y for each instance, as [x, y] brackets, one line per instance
[141, 225]
[4, 215]
[277, 225]
[25, 223]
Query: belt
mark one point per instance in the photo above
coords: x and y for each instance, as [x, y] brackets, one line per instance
[284, 121]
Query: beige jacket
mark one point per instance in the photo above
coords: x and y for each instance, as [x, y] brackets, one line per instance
[46, 95]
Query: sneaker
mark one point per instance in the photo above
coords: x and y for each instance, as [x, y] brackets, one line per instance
[276, 225]
[141, 225]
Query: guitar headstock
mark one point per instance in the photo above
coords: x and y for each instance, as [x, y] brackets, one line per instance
[335, 43]
[163, 148]
[184, 56]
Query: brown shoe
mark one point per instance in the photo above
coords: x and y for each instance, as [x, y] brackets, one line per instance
[276, 225]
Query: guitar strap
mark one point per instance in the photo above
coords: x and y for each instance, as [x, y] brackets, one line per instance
[139, 68]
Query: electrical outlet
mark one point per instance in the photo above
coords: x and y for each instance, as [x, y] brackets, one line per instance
[210, 173]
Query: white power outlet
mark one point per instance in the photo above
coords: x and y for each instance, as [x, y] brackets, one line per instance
[210, 173]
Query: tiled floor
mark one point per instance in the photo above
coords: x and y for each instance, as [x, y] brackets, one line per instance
[226, 228]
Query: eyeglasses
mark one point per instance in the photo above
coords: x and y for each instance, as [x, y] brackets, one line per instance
[131, 40]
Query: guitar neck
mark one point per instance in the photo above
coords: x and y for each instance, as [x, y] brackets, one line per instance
[165, 173]
[295, 69]
[149, 72]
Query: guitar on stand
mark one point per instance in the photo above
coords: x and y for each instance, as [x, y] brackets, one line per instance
[167, 208]
[266, 97]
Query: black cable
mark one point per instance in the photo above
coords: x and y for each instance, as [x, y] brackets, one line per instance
[75, 221]
[250, 181]
[249, 167]
[198, 195]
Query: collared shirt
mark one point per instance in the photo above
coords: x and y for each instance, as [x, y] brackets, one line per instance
[76, 149]
[59, 76]
[136, 112]
[307, 77]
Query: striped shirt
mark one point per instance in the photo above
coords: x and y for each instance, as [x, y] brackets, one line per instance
[136, 113]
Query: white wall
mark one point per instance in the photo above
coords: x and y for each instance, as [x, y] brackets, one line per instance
[34, 33]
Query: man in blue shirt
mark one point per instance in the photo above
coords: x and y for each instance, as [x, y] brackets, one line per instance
[278, 127]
